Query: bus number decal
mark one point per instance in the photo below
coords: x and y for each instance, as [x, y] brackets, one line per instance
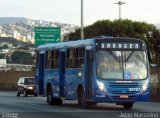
[134, 89]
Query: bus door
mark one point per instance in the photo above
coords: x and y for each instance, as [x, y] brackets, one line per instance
[62, 73]
[89, 74]
[41, 75]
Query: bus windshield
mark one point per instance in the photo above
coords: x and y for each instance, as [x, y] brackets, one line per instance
[128, 65]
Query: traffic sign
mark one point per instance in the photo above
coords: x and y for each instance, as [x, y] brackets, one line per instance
[44, 35]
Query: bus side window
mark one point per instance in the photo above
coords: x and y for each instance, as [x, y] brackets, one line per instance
[48, 60]
[71, 58]
[55, 59]
[79, 61]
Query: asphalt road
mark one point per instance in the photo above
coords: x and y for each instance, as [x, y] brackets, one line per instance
[36, 107]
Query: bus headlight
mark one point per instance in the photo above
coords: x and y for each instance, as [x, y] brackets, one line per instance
[145, 86]
[101, 86]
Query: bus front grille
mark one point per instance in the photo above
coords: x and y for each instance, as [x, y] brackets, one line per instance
[117, 89]
[123, 85]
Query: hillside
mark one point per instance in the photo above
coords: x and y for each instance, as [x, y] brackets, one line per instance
[15, 42]
[12, 20]
[23, 28]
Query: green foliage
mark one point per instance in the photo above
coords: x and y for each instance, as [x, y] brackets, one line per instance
[117, 28]
[22, 57]
[5, 47]
[121, 28]
[23, 48]
[2, 56]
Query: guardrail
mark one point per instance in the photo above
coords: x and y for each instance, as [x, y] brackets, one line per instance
[16, 67]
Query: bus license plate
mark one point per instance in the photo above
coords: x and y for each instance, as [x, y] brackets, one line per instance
[123, 96]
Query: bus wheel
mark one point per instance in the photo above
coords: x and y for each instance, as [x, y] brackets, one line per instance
[58, 101]
[81, 100]
[94, 103]
[51, 100]
[49, 96]
[35, 95]
[128, 105]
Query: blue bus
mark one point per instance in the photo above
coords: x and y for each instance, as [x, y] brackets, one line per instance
[91, 71]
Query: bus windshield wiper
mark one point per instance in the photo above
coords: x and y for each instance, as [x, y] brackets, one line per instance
[114, 56]
[126, 59]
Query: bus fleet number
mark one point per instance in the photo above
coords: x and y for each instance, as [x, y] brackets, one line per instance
[134, 89]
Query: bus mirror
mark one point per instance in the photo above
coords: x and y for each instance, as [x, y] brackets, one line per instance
[150, 55]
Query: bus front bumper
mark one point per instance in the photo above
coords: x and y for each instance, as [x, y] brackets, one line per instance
[141, 97]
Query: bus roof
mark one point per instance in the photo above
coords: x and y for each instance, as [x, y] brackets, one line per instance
[79, 43]
[69, 44]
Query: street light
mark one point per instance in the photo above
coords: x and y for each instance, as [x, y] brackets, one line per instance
[82, 28]
[120, 3]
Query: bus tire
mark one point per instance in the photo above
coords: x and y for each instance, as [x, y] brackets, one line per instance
[94, 103]
[81, 101]
[35, 95]
[128, 105]
[58, 101]
[51, 100]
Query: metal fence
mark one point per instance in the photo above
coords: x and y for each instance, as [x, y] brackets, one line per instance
[16, 67]
[8, 79]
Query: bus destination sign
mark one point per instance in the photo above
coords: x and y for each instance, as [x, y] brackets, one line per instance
[119, 45]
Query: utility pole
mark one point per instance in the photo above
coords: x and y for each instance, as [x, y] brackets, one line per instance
[120, 3]
[82, 27]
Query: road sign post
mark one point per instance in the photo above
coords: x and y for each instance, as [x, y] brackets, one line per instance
[44, 35]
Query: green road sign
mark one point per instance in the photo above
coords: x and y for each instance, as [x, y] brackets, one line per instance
[44, 35]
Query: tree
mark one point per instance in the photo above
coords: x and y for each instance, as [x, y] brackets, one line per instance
[2, 56]
[23, 48]
[121, 28]
[5, 47]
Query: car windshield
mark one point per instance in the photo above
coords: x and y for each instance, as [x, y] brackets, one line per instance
[29, 80]
[121, 64]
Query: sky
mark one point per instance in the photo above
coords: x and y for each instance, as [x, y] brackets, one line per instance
[68, 11]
